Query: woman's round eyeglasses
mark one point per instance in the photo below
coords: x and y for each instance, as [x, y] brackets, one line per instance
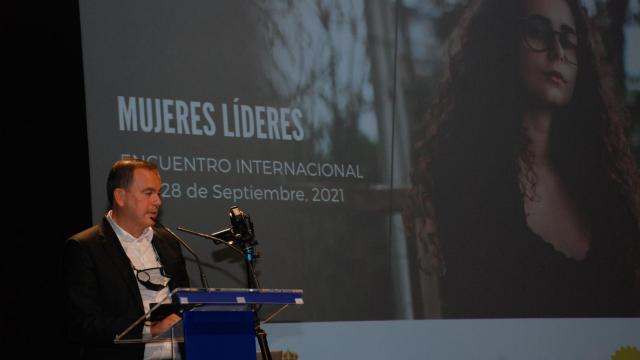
[539, 35]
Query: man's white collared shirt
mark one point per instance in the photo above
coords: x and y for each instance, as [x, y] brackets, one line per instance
[142, 256]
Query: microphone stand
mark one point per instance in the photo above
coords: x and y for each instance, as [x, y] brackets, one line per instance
[261, 335]
[248, 254]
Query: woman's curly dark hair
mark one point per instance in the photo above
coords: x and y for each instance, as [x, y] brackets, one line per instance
[473, 130]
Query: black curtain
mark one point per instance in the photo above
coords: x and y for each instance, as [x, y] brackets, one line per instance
[45, 170]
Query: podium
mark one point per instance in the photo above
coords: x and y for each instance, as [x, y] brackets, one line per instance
[216, 323]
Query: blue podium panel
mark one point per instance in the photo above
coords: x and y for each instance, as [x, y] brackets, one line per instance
[219, 335]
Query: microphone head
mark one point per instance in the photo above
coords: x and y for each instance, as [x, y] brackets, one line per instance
[241, 224]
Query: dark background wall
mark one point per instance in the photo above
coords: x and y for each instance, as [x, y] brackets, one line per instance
[46, 191]
[45, 196]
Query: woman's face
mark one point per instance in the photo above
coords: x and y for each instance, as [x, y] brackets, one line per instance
[549, 51]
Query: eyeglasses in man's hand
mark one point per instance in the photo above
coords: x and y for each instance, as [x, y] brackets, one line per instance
[153, 278]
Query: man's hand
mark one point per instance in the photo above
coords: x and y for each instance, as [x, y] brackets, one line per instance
[158, 327]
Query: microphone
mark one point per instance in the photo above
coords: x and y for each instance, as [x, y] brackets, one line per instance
[241, 226]
[241, 229]
[203, 277]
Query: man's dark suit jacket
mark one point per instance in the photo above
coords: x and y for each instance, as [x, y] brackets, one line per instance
[103, 294]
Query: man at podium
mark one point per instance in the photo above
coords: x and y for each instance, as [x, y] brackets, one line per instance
[115, 269]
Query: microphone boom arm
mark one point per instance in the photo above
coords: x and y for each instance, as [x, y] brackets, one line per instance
[230, 245]
[203, 277]
[210, 237]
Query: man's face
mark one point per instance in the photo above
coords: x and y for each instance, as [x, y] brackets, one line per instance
[141, 201]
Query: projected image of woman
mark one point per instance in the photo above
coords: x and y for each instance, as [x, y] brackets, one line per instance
[525, 197]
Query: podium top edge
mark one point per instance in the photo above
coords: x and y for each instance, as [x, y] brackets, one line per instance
[248, 290]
